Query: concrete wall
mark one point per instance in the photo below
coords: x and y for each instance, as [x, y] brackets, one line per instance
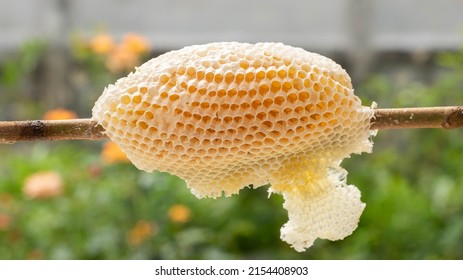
[335, 25]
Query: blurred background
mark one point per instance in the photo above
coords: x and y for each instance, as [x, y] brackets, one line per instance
[83, 200]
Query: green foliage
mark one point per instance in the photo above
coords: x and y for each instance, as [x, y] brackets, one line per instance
[17, 72]
[14, 68]
[91, 63]
[101, 204]
[412, 184]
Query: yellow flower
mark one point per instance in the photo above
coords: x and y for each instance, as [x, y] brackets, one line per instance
[111, 153]
[102, 44]
[140, 232]
[43, 185]
[5, 221]
[136, 43]
[59, 114]
[179, 213]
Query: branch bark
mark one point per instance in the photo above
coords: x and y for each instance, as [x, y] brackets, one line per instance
[44, 130]
[87, 129]
[425, 117]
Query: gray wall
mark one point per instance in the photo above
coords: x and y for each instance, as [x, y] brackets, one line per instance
[335, 25]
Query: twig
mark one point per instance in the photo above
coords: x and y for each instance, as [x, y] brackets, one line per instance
[88, 129]
[425, 117]
[76, 129]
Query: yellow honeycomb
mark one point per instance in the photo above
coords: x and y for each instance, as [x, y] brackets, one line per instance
[223, 116]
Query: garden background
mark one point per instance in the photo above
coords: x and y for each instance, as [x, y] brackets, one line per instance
[83, 200]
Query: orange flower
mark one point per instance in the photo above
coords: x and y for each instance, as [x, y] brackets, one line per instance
[102, 44]
[136, 43]
[35, 255]
[43, 185]
[122, 59]
[140, 232]
[60, 114]
[111, 153]
[5, 221]
[94, 170]
[179, 213]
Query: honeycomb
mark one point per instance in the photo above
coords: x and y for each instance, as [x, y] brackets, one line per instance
[223, 116]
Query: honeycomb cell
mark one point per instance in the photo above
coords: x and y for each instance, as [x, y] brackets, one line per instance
[223, 116]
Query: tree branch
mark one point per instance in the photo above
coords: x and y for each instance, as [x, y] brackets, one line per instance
[76, 129]
[87, 129]
[425, 117]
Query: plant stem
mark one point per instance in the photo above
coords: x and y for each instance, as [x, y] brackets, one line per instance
[87, 129]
